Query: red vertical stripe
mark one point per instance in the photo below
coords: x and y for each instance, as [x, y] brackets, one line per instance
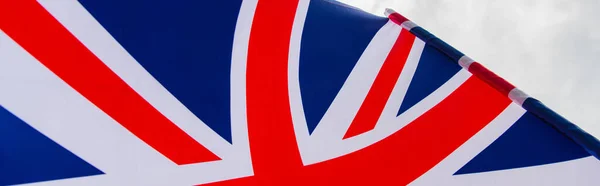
[32, 27]
[380, 91]
[275, 155]
[272, 141]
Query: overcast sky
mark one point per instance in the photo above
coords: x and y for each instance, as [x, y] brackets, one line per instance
[548, 48]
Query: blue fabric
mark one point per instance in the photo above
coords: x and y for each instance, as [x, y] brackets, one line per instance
[333, 40]
[26, 155]
[587, 141]
[433, 70]
[182, 45]
[528, 142]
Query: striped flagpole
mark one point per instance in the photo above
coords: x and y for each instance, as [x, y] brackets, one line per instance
[532, 105]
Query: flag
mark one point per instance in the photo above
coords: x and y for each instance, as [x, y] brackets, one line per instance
[294, 92]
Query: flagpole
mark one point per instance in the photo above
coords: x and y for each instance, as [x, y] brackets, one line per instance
[532, 105]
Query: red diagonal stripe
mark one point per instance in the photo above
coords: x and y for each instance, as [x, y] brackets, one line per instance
[30, 25]
[380, 91]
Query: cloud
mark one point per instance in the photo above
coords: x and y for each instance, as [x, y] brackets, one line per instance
[548, 48]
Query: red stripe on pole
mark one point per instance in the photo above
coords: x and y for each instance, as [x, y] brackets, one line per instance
[382, 87]
[397, 18]
[491, 78]
[32, 27]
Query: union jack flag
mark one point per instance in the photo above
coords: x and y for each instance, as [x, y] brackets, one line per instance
[258, 92]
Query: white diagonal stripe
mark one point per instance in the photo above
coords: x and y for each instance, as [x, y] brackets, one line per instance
[40, 98]
[347, 102]
[85, 28]
[399, 92]
[328, 144]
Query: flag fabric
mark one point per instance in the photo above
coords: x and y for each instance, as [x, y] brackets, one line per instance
[261, 92]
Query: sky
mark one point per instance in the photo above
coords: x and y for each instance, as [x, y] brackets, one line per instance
[548, 48]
